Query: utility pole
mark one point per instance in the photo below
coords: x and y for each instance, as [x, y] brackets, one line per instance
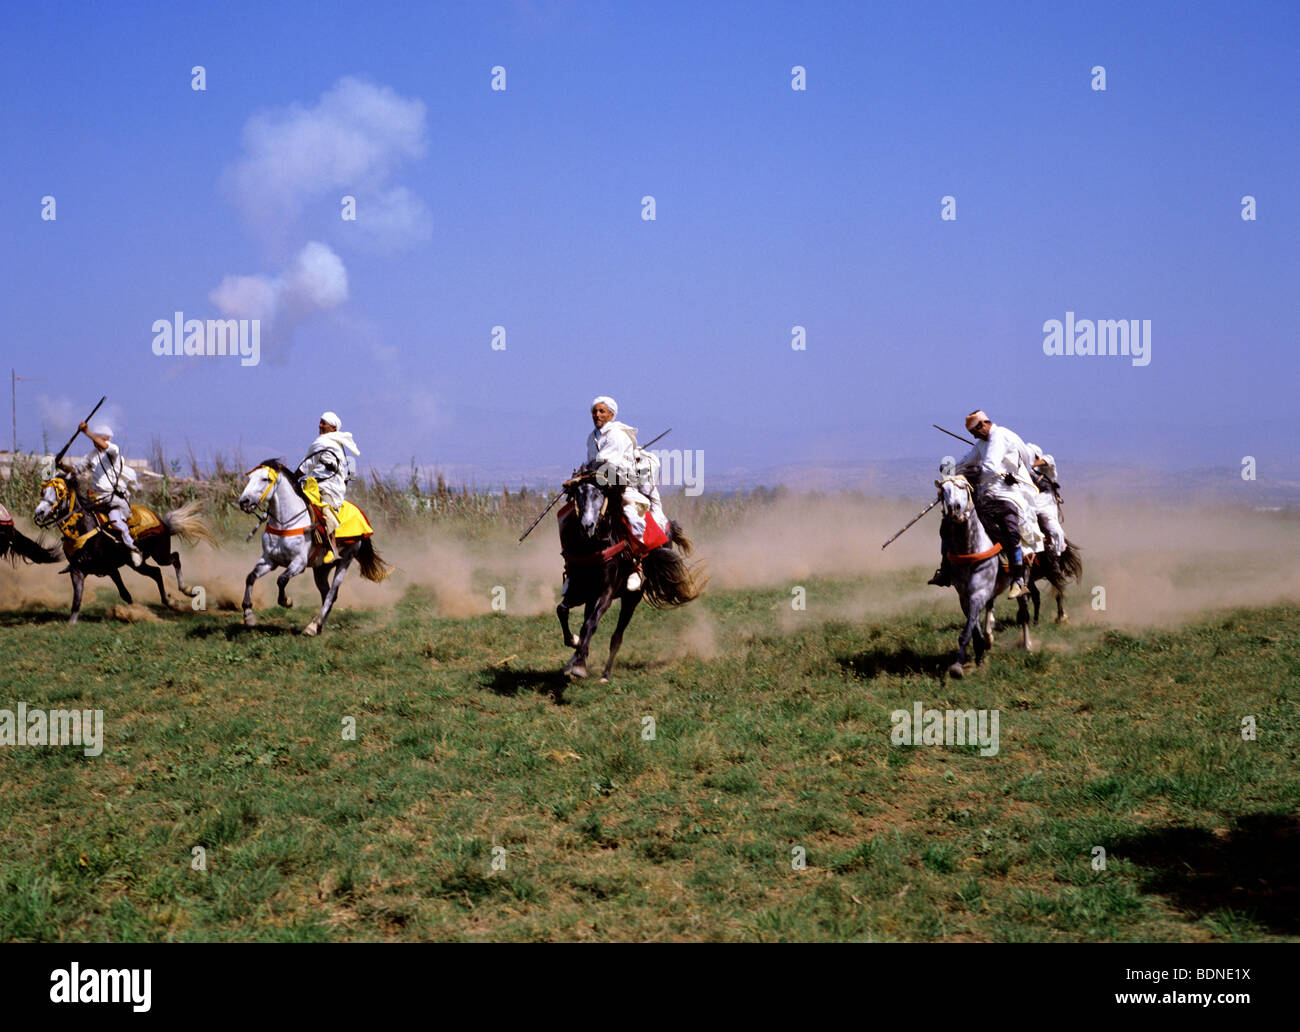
[13, 400]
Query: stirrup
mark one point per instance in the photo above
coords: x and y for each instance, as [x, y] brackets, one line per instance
[1017, 590]
[634, 581]
[940, 579]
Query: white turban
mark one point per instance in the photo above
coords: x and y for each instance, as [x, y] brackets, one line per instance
[332, 420]
[608, 402]
[103, 430]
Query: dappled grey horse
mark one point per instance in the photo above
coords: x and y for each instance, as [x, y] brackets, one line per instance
[976, 573]
[287, 542]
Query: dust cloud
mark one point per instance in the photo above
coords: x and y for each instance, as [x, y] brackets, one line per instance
[1157, 565]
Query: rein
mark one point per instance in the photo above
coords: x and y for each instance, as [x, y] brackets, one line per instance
[277, 528]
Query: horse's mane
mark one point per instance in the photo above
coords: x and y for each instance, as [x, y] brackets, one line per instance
[291, 475]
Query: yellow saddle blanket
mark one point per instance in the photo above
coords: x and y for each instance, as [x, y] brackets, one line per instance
[143, 522]
[352, 522]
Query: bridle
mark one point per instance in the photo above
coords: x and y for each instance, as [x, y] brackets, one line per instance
[278, 528]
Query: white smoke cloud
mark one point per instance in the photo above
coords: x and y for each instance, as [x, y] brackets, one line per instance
[300, 161]
[315, 279]
[350, 143]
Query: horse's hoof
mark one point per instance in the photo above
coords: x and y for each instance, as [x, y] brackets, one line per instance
[312, 629]
[1062, 619]
[286, 602]
[957, 671]
[573, 641]
[604, 679]
[575, 673]
[250, 620]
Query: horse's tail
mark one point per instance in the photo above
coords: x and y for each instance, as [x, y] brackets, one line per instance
[373, 565]
[1071, 562]
[678, 537]
[15, 546]
[186, 523]
[669, 580]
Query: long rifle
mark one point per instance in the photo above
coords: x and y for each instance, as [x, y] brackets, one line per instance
[64, 450]
[561, 494]
[951, 434]
[911, 521]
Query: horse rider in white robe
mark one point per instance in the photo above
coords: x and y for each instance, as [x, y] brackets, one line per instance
[110, 481]
[613, 451]
[1047, 499]
[998, 468]
[329, 466]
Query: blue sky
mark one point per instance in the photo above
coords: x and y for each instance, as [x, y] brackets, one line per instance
[775, 208]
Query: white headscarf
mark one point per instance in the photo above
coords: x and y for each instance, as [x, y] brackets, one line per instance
[103, 430]
[608, 402]
[332, 420]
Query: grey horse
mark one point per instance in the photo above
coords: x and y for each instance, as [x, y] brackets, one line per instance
[287, 542]
[976, 573]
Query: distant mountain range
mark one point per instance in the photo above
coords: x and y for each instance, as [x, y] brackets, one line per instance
[914, 478]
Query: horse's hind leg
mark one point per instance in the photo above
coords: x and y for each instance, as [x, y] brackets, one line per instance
[1037, 596]
[174, 561]
[116, 578]
[1059, 592]
[329, 592]
[1022, 621]
[155, 574]
[625, 610]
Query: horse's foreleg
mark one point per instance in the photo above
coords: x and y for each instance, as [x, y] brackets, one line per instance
[577, 666]
[263, 567]
[329, 593]
[1060, 605]
[116, 578]
[971, 612]
[625, 610]
[1036, 595]
[562, 612]
[78, 583]
[1022, 621]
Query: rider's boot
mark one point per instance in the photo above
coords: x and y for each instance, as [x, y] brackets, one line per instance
[133, 552]
[1017, 573]
[943, 575]
[634, 579]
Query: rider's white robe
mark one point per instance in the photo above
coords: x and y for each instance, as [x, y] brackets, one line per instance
[1003, 454]
[328, 461]
[614, 447]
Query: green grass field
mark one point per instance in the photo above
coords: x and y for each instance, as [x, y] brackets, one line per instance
[771, 732]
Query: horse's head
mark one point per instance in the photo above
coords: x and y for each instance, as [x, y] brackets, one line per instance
[261, 482]
[589, 490]
[57, 496]
[958, 497]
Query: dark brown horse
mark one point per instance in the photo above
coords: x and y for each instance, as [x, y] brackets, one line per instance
[1056, 570]
[93, 548]
[597, 561]
[15, 545]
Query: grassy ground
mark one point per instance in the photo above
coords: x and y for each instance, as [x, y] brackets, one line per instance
[771, 731]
